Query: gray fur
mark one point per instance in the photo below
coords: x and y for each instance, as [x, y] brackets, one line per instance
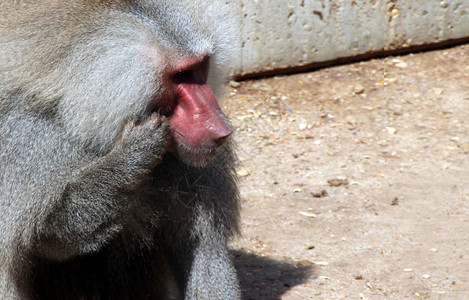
[92, 206]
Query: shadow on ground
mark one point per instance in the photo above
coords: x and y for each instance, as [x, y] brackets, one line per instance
[265, 278]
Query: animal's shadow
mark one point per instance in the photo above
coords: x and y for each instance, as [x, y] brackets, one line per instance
[265, 278]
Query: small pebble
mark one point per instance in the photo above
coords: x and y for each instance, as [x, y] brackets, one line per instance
[234, 84]
[337, 182]
[306, 214]
[242, 173]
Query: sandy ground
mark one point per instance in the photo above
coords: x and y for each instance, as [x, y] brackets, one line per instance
[355, 180]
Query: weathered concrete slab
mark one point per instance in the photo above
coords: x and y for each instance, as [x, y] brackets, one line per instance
[281, 34]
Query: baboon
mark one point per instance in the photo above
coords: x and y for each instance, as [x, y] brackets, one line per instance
[116, 165]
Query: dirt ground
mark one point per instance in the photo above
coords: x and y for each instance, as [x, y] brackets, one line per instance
[355, 180]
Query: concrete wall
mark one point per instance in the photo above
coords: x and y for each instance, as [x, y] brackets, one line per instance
[280, 34]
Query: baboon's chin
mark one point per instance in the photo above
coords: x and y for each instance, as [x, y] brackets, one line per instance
[195, 157]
